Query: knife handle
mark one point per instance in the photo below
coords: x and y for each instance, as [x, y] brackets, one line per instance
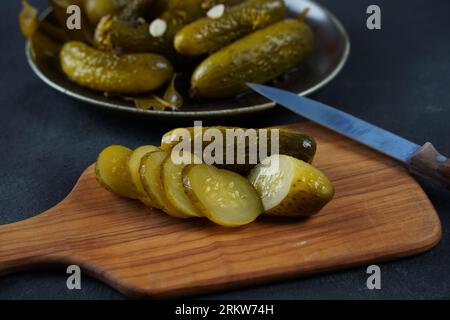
[430, 164]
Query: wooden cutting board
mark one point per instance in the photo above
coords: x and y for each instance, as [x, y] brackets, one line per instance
[379, 213]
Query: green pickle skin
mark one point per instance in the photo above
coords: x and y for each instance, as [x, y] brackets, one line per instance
[104, 71]
[113, 33]
[259, 57]
[208, 35]
[118, 33]
[292, 143]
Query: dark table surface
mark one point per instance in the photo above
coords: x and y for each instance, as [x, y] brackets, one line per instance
[397, 78]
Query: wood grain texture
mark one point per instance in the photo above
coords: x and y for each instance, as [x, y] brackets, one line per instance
[379, 213]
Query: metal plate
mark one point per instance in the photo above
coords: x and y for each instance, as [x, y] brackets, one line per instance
[330, 54]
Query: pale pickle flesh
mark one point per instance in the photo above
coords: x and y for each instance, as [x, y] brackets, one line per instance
[134, 164]
[292, 187]
[224, 197]
[172, 177]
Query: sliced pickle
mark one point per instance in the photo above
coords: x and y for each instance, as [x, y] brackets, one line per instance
[150, 172]
[291, 187]
[112, 171]
[134, 164]
[225, 197]
[172, 177]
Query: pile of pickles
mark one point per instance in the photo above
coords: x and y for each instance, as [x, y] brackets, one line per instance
[230, 195]
[134, 48]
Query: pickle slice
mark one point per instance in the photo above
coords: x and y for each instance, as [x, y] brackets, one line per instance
[291, 187]
[150, 172]
[172, 178]
[134, 164]
[112, 171]
[224, 197]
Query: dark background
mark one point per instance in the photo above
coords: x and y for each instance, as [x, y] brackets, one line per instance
[397, 78]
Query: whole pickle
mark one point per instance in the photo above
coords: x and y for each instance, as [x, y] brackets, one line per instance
[292, 143]
[96, 9]
[104, 71]
[114, 33]
[208, 35]
[260, 57]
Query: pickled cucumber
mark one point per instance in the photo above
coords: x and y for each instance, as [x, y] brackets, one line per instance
[224, 197]
[208, 35]
[134, 165]
[259, 57]
[172, 178]
[114, 33]
[291, 187]
[150, 172]
[112, 171]
[117, 33]
[292, 143]
[104, 71]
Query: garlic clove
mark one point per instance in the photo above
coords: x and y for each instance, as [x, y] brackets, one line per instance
[157, 28]
[216, 12]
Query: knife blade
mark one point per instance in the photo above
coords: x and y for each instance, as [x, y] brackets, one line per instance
[424, 161]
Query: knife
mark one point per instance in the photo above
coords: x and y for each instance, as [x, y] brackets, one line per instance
[424, 160]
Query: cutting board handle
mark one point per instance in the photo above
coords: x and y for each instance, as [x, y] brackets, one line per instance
[47, 238]
[430, 164]
[29, 242]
